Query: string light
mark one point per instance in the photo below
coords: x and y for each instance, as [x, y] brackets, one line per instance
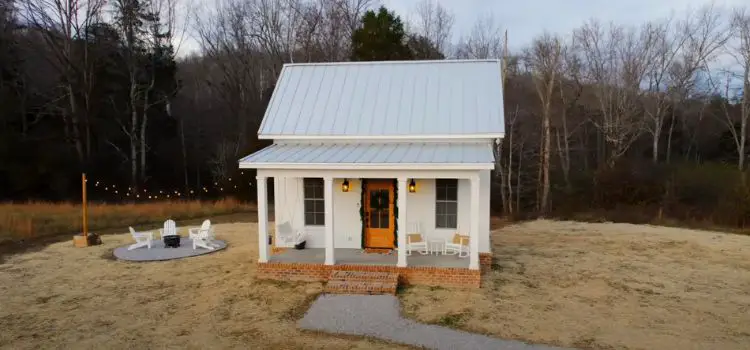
[168, 193]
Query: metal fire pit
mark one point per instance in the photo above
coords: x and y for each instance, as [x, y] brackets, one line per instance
[172, 241]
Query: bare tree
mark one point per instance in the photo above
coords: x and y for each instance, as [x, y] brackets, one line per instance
[545, 60]
[570, 89]
[735, 99]
[435, 23]
[680, 50]
[485, 40]
[616, 60]
[60, 23]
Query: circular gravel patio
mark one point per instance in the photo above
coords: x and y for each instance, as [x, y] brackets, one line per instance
[160, 253]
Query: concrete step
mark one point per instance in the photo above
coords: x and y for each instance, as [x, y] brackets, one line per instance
[361, 282]
[363, 276]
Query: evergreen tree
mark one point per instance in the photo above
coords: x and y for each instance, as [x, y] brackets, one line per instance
[423, 49]
[380, 37]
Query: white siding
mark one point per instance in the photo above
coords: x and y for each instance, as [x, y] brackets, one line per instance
[289, 205]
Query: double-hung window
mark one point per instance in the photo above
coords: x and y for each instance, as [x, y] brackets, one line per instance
[446, 203]
[314, 202]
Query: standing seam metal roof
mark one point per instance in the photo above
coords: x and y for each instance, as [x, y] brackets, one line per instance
[394, 98]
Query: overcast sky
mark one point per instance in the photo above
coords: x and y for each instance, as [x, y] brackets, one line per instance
[525, 19]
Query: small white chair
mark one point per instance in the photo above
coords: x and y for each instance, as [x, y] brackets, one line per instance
[459, 244]
[415, 240]
[170, 229]
[142, 239]
[202, 236]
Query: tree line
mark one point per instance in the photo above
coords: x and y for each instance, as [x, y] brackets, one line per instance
[648, 120]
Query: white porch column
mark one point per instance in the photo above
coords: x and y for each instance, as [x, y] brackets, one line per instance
[328, 199]
[262, 219]
[474, 233]
[402, 229]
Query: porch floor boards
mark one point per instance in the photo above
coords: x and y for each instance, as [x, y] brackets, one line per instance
[348, 256]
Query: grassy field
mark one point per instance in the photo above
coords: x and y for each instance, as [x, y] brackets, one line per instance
[66, 297]
[39, 219]
[604, 286]
[591, 286]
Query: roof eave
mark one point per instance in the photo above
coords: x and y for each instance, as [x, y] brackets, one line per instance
[368, 166]
[496, 135]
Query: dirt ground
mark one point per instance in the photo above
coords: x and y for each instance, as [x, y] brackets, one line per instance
[599, 286]
[64, 297]
[604, 286]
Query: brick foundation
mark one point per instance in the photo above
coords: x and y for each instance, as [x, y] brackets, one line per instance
[417, 275]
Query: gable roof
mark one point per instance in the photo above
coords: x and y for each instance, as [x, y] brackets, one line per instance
[398, 99]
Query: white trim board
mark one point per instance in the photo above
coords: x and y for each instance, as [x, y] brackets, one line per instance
[411, 138]
[368, 166]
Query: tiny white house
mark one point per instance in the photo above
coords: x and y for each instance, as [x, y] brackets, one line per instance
[366, 153]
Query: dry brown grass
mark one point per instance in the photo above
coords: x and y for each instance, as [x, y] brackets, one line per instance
[605, 286]
[39, 219]
[81, 298]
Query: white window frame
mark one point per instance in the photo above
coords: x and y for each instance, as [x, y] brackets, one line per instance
[321, 200]
[439, 216]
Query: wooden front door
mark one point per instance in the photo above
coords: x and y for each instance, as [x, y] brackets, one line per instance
[379, 215]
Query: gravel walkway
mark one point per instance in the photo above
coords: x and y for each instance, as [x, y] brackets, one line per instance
[379, 316]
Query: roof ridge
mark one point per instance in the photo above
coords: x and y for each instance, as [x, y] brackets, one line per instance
[343, 63]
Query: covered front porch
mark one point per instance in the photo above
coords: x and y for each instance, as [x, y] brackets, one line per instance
[348, 177]
[350, 256]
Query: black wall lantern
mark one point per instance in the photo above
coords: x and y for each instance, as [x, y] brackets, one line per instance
[345, 186]
[412, 186]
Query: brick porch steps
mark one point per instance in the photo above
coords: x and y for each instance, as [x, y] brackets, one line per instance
[361, 282]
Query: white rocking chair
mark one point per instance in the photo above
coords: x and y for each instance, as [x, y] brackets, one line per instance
[458, 245]
[415, 240]
[203, 236]
[142, 239]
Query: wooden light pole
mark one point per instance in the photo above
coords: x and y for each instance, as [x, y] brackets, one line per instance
[82, 239]
[85, 206]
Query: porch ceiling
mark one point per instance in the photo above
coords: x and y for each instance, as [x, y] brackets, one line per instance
[439, 155]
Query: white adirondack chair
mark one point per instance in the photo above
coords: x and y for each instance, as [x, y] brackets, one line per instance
[170, 229]
[203, 236]
[142, 239]
[415, 240]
